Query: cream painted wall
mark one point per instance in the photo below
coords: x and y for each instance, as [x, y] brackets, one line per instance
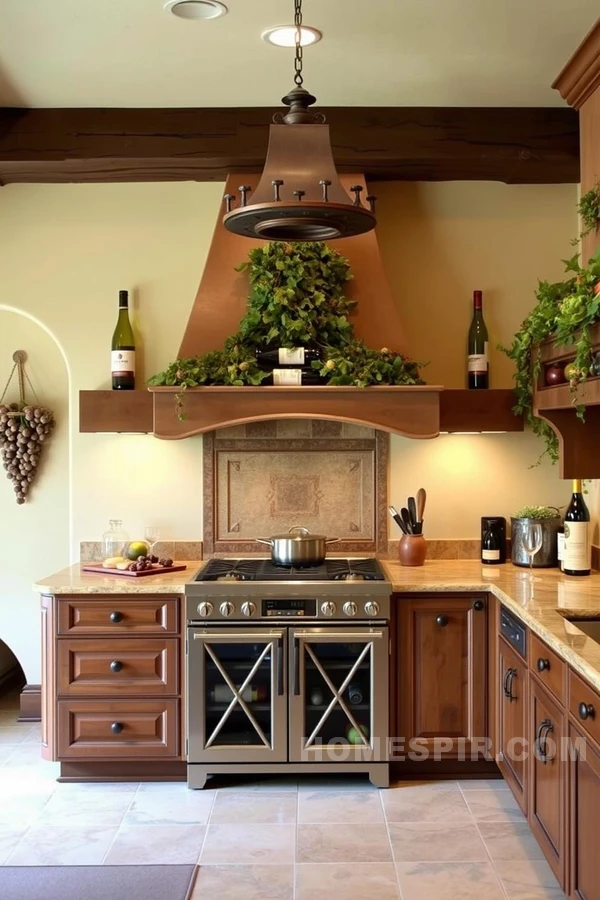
[65, 251]
[439, 242]
[35, 536]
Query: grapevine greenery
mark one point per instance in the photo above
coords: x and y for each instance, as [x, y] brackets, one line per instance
[296, 299]
[589, 212]
[565, 311]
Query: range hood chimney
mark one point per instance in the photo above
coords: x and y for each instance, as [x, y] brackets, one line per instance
[218, 308]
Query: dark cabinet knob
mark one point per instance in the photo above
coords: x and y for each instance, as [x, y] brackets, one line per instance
[478, 605]
[116, 665]
[586, 711]
[442, 621]
[543, 665]
[116, 728]
[115, 616]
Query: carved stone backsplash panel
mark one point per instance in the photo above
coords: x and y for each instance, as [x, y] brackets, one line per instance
[265, 477]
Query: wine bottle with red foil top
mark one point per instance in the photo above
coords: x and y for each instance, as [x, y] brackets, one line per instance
[478, 363]
[123, 349]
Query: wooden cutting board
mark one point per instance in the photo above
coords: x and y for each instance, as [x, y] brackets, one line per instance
[155, 570]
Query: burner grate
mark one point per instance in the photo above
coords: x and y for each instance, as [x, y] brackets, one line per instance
[367, 569]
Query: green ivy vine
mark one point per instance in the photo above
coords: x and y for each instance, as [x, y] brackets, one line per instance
[296, 299]
[589, 212]
[565, 311]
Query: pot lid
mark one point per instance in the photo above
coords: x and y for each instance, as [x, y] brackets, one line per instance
[298, 533]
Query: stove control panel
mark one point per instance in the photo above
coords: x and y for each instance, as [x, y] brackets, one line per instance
[289, 608]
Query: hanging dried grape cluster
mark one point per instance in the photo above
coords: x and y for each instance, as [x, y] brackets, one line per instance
[23, 431]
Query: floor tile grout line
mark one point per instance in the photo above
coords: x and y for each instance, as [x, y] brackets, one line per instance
[493, 864]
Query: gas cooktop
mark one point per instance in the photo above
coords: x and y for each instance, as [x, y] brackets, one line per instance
[232, 570]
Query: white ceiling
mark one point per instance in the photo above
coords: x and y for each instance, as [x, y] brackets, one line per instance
[374, 53]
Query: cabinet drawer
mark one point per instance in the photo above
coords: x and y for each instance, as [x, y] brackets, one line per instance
[121, 666]
[118, 729]
[582, 695]
[549, 668]
[118, 615]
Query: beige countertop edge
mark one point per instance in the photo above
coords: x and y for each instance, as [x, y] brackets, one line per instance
[73, 580]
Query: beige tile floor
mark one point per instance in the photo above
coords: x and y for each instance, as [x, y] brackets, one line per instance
[275, 840]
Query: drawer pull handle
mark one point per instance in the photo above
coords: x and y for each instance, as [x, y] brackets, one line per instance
[586, 711]
[543, 665]
[442, 621]
[116, 616]
[478, 605]
[116, 665]
[116, 728]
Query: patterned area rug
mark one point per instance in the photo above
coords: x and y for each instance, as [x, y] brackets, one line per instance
[96, 882]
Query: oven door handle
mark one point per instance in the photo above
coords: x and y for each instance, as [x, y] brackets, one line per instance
[238, 637]
[326, 636]
[296, 666]
[280, 666]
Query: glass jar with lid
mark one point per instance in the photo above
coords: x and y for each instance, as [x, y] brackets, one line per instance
[114, 540]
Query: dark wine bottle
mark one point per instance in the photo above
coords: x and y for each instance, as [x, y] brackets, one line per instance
[123, 349]
[478, 364]
[491, 548]
[286, 377]
[577, 551]
[287, 356]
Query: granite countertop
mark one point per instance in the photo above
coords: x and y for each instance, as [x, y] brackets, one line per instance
[73, 580]
[542, 604]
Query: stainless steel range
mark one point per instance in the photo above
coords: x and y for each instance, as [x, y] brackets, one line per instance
[288, 669]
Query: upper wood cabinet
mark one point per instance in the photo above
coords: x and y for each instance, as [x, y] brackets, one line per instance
[442, 672]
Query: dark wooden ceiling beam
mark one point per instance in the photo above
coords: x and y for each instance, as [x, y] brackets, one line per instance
[513, 145]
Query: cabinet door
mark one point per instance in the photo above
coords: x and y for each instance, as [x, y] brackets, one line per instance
[585, 802]
[442, 674]
[547, 775]
[512, 720]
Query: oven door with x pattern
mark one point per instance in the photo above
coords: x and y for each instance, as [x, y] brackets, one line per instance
[237, 704]
[339, 694]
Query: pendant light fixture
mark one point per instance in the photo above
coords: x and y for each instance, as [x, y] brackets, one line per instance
[299, 196]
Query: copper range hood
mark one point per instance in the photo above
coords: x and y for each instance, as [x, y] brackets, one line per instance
[220, 304]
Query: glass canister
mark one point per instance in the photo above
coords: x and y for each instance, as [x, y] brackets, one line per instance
[114, 540]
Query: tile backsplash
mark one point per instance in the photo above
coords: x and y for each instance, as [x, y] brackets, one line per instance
[265, 477]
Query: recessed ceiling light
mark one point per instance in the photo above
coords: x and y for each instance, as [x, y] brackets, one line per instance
[285, 35]
[196, 9]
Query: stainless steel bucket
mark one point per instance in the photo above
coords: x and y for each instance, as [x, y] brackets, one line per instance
[544, 558]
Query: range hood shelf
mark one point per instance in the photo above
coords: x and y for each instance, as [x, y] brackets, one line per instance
[429, 408]
[388, 407]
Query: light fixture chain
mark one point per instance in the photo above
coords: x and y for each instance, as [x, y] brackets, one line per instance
[298, 60]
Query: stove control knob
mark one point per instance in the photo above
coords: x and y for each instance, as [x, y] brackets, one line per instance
[371, 609]
[350, 608]
[226, 609]
[205, 609]
[328, 608]
[248, 608]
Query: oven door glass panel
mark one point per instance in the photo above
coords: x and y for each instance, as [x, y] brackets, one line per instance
[339, 699]
[236, 701]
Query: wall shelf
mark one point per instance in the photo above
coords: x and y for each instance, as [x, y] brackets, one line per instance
[491, 410]
[116, 411]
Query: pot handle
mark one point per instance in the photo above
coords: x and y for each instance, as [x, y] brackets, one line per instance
[266, 541]
[299, 529]
[333, 540]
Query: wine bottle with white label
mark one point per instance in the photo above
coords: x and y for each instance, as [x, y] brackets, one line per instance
[478, 363]
[287, 356]
[123, 349]
[294, 377]
[577, 559]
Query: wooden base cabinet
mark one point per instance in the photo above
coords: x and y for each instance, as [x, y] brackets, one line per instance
[547, 776]
[442, 673]
[512, 706]
[584, 803]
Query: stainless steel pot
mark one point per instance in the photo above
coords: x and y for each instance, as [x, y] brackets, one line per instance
[298, 547]
[545, 557]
